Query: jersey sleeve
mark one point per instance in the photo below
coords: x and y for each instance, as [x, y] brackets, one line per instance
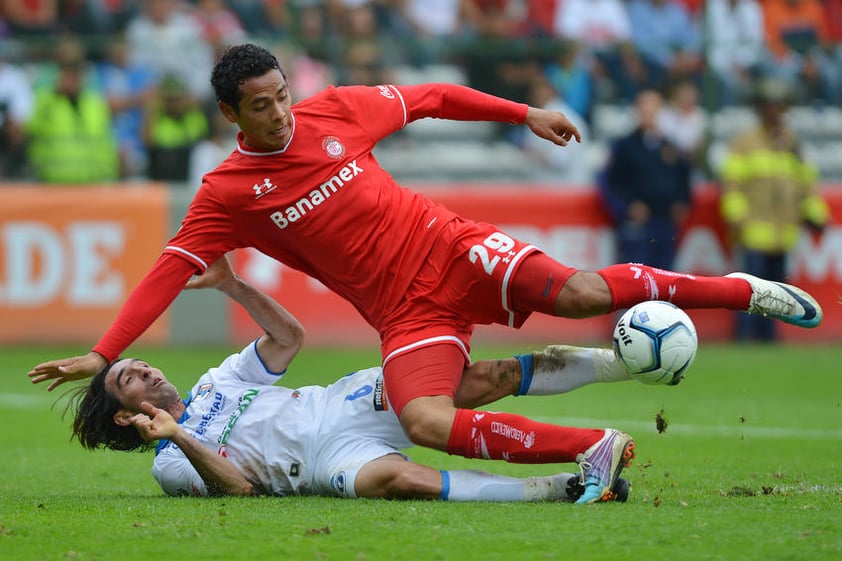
[207, 231]
[385, 109]
[248, 366]
[205, 235]
[175, 474]
[459, 103]
[155, 292]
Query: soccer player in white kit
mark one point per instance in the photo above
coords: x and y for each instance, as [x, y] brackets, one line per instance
[239, 433]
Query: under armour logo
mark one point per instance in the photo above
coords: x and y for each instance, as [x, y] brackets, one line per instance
[261, 189]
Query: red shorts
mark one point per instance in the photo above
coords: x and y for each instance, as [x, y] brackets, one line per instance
[474, 274]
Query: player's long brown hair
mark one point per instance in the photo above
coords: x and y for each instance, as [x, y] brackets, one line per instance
[93, 418]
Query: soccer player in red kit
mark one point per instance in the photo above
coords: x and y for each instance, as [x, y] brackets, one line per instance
[303, 187]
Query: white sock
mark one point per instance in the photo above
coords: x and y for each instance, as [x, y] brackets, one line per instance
[470, 485]
[561, 368]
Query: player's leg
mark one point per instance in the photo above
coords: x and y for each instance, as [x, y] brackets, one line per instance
[432, 420]
[544, 285]
[554, 370]
[394, 477]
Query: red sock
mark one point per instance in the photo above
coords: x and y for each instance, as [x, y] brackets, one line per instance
[631, 283]
[516, 439]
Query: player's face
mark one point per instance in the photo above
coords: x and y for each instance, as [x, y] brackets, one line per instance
[264, 113]
[132, 381]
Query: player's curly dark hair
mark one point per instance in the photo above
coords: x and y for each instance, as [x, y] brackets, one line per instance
[93, 418]
[237, 64]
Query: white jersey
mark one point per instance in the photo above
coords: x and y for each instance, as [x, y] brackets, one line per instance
[309, 440]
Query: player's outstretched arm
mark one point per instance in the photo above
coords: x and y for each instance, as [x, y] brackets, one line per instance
[145, 304]
[284, 333]
[221, 477]
[552, 125]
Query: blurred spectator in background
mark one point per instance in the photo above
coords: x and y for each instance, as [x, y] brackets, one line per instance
[264, 17]
[219, 25]
[496, 58]
[540, 18]
[603, 30]
[70, 136]
[175, 124]
[646, 189]
[682, 120]
[668, 40]
[433, 27]
[84, 18]
[833, 18]
[16, 106]
[309, 59]
[568, 165]
[164, 38]
[736, 48]
[368, 54]
[768, 194]
[569, 73]
[118, 13]
[799, 47]
[128, 87]
[31, 18]
[209, 152]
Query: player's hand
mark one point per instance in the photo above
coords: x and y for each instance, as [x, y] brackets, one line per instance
[552, 125]
[218, 275]
[68, 369]
[154, 423]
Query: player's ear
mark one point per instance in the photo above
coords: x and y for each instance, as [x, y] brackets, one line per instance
[123, 417]
[227, 111]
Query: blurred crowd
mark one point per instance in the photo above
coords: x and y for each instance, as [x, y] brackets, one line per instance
[95, 91]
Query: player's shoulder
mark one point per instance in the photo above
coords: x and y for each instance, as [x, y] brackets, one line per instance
[340, 95]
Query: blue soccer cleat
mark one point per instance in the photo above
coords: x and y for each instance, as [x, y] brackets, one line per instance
[619, 491]
[602, 463]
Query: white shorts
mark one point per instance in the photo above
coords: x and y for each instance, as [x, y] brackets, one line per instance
[358, 427]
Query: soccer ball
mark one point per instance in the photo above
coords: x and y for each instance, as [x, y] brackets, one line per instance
[656, 341]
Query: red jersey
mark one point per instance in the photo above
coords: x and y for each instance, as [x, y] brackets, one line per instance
[322, 204]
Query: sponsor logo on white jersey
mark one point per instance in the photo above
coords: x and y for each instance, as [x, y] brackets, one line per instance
[203, 391]
[337, 481]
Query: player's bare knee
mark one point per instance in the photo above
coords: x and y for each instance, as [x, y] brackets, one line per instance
[427, 421]
[408, 483]
[486, 381]
[584, 295]
[418, 430]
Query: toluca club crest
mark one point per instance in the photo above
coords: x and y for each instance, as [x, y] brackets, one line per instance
[333, 147]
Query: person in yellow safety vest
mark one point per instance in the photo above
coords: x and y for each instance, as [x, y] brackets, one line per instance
[175, 124]
[69, 135]
[769, 193]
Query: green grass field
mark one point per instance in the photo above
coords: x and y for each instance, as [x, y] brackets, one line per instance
[749, 468]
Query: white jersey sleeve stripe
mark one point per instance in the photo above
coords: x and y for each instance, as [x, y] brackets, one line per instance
[195, 258]
[426, 342]
[508, 277]
[403, 103]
